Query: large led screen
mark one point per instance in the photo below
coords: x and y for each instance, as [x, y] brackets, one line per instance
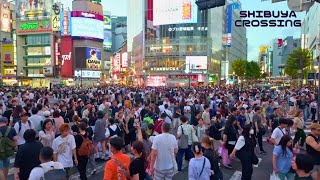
[86, 27]
[33, 8]
[196, 62]
[174, 12]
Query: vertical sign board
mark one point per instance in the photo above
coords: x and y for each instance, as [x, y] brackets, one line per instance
[5, 17]
[229, 33]
[55, 18]
[117, 62]
[66, 56]
[65, 23]
[124, 60]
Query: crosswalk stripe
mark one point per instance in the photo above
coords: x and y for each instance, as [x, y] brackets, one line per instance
[236, 176]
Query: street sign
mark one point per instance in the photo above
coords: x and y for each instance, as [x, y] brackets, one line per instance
[299, 5]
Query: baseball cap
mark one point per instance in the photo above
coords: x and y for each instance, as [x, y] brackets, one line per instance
[46, 113]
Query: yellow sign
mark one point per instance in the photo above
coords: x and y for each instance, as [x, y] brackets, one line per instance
[55, 18]
[263, 49]
[93, 64]
[7, 58]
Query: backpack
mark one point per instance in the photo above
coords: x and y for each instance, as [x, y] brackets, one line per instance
[7, 146]
[86, 147]
[19, 122]
[114, 132]
[15, 120]
[54, 173]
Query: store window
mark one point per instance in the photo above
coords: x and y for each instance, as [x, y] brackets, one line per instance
[39, 51]
[39, 62]
[38, 39]
[35, 73]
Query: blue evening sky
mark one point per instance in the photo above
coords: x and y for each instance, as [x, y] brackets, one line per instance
[256, 36]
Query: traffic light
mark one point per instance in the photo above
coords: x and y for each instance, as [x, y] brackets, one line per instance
[208, 4]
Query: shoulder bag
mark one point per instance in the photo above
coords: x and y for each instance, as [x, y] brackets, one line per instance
[183, 140]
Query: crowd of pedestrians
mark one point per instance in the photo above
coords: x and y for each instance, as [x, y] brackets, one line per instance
[150, 133]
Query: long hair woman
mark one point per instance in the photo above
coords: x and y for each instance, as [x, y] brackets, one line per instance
[282, 158]
[245, 149]
[139, 165]
[300, 135]
[47, 135]
[199, 166]
[15, 116]
[210, 153]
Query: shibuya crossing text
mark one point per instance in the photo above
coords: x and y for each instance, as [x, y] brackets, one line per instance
[268, 19]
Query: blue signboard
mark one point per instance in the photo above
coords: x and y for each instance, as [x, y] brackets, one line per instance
[229, 32]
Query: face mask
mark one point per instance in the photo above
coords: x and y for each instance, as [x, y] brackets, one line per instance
[251, 131]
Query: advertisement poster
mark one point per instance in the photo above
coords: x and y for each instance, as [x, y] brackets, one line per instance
[156, 81]
[107, 41]
[65, 23]
[35, 26]
[33, 8]
[93, 60]
[5, 14]
[7, 54]
[174, 12]
[66, 55]
[83, 27]
[107, 22]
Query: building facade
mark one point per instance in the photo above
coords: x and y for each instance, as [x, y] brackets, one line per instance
[171, 49]
[119, 31]
[8, 61]
[310, 33]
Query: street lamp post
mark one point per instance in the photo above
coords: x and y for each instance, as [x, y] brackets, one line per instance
[189, 75]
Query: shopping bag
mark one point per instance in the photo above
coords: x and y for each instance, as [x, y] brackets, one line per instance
[274, 176]
[225, 156]
[220, 151]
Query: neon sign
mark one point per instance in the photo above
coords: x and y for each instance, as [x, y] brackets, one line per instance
[35, 27]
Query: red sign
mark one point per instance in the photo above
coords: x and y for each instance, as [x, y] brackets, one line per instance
[280, 42]
[86, 15]
[66, 54]
[56, 53]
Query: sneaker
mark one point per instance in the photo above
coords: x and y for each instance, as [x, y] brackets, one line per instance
[93, 172]
[228, 166]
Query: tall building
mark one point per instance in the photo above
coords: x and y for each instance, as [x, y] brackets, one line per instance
[35, 43]
[264, 60]
[8, 61]
[310, 32]
[172, 43]
[119, 31]
[281, 49]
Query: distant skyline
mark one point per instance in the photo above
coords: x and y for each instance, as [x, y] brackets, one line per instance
[256, 36]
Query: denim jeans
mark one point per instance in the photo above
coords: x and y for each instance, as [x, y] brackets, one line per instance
[180, 154]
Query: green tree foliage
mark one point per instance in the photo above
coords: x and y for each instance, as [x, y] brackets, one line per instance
[296, 57]
[239, 67]
[252, 70]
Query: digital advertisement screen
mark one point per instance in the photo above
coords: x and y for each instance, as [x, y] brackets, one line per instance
[107, 41]
[93, 60]
[196, 63]
[156, 81]
[33, 8]
[87, 28]
[174, 12]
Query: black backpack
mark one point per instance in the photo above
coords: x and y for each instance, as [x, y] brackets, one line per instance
[114, 132]
[54, 173]
[214, 132]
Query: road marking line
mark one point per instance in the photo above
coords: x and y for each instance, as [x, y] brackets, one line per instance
[236, 175]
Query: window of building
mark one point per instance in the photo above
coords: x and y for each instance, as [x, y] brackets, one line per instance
[39, 50]
[38, 39]
[35, 73]
[39, 61]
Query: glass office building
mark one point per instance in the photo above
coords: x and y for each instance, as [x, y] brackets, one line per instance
[174, 44]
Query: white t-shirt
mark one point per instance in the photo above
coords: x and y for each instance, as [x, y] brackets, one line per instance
[164, 144]
[63, 148]
[277, 134]
[169, 113]
[240, 143]
[24, 127]
[37, 173]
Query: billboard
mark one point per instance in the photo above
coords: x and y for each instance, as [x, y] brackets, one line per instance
[7, 54]
[196, 63]
[229, 30]
[86, 15]
[174, 12]
[156, 81]
[93, 58]
[87, 74]
[124, 60]
[116, 63]
[66, 55]
[5, 14]
[55, 18]
[107, 21]
[33, 8]
[87, 28]
[65, 23]
[35, 26]
[107, 41]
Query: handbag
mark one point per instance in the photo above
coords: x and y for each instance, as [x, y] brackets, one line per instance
[274, 176]
[225, 156]
[183, 140]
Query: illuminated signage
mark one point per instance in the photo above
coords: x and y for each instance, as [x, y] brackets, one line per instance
[57, 53]
[5, 17]
[65, 23]
[87, 74]
[164, 69]
[66, 52]
[156, 81]
[196, 63]
[87, 28]
[107, 21]
[175, 29]
[124, 60]
[33, 9]
[116, 63]
[93, 60]
[55, 18]
[174, 12]
[66, 57]
[86, 15]
[35, 27]
[7, 54]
